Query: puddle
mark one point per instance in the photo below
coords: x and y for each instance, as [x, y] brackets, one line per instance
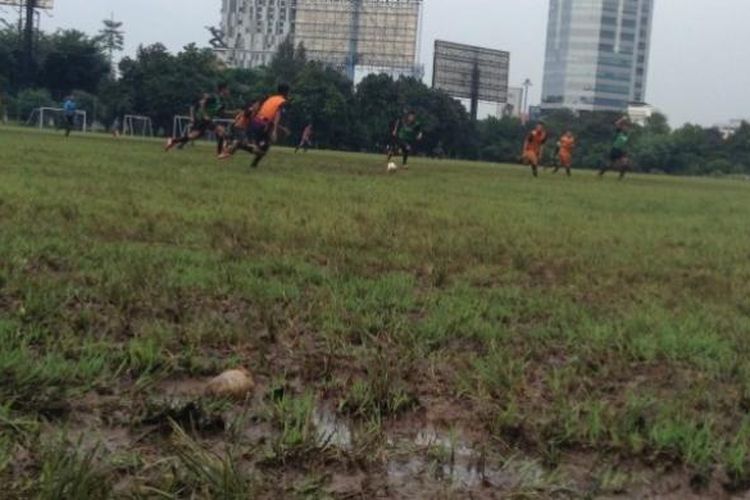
[331, 430]
[449, 459]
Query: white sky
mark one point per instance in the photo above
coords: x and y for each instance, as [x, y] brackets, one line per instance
[700, 51]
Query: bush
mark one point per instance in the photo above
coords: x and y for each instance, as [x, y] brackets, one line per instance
[28, 100]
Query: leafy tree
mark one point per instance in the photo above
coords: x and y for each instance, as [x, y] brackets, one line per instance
[657, 124]
[323, 96]
[74, 62]
[9, 65]
[162, 85]
[112, 39]
[287, 63]
[30, 99]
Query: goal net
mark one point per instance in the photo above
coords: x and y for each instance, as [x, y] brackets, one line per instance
[181, 125]
[55, 118]
[137, 125]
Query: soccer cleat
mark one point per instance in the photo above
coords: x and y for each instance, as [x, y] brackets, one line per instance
[224, 155]
[170, 144]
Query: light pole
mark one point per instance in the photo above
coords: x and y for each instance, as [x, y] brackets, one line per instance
[526, 85]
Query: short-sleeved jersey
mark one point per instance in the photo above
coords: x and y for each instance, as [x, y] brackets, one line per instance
[567, 143]
[408, 132]
[271, 107]
[536, 139]
[621, 141]
[69, 107]
[214, 105]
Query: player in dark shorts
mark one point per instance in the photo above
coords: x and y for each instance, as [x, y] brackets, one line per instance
[209, 108]
[238, 136]
[405, 133]
[618, 155]
[532, 147]
[264, 126]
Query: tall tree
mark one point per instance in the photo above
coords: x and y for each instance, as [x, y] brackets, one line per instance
[112, 39]
[74, 62]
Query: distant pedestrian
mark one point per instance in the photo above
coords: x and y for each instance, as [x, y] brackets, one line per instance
[116, 128]
[306, 141]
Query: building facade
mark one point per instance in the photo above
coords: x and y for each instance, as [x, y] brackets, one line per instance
[254, 29]
[597, 54]
[347, 34]
[513, 107]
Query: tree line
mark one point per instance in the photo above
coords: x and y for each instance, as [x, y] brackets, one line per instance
[159, 84]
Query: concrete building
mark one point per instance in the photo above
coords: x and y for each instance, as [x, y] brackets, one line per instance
[347, 34]
[640, 113]
[597, 54]
[514, 105]
[254, 29]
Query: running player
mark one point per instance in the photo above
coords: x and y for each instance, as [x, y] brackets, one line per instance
[69, 113]
[209, 108]
[266, 123]
[565, 146]
[306, 142]
[618, 156]
[238, 136]
[406, 132]
[532, 147]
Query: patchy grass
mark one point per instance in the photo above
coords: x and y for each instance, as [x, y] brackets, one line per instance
[551, 318]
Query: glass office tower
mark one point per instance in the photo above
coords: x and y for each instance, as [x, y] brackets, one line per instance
[597, 54]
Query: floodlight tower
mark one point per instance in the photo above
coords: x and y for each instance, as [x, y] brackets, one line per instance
[526, 85]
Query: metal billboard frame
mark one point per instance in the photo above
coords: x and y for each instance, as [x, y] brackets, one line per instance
[471, 72]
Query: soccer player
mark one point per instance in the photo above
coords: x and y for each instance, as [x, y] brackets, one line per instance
[266, 123]
[306, 141]
[238, 136]
[69, 114]
[565, 146]
[209, 108]
[618, 156]
[406, 132]
[532, 147]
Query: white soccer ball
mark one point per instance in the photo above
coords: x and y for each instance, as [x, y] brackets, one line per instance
[392, 167]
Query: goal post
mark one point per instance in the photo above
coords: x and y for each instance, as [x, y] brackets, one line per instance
[137, 125]
[54, 117]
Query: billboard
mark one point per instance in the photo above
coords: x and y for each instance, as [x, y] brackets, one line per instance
[469, 72]
[40, 4]
[374, 33]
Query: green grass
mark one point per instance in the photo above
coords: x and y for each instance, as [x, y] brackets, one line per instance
[548, 316]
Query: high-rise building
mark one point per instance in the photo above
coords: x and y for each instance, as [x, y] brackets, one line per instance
[254, 29]
[349, 34]
[597, 54]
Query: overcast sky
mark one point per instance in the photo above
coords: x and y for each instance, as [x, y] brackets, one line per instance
[700, 50]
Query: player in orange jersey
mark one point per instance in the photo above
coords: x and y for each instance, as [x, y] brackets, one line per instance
[565, 146]
[264, 125]
[532, 147]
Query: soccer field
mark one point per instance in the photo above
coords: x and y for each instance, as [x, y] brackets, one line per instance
[454, 329]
